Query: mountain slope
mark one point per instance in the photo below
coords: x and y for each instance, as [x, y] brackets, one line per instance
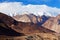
[53, 24]
[20, 27]
[5, 26]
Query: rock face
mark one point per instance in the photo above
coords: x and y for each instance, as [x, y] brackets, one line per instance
[53, 24]
[23, 18]
[7, 24]
[26, 18]
[31, 18]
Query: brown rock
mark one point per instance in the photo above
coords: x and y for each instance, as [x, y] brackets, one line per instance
[53, 24]
[10, 26]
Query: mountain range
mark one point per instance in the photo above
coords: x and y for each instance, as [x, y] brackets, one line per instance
[31, 18]
[29, 27]
[10, 26]
[49, 22]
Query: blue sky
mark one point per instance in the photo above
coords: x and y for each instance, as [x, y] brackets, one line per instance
[52, 3]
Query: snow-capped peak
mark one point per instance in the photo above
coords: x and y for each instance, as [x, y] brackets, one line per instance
[14, 8]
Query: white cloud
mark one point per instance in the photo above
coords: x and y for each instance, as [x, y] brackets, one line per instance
[10, 8]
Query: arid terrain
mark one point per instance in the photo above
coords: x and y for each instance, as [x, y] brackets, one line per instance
[29, 27]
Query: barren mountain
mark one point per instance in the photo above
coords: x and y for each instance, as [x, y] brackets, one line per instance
[53, 23]
[31, 18]
[26, 18]
[23, 18]
[7, 24]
